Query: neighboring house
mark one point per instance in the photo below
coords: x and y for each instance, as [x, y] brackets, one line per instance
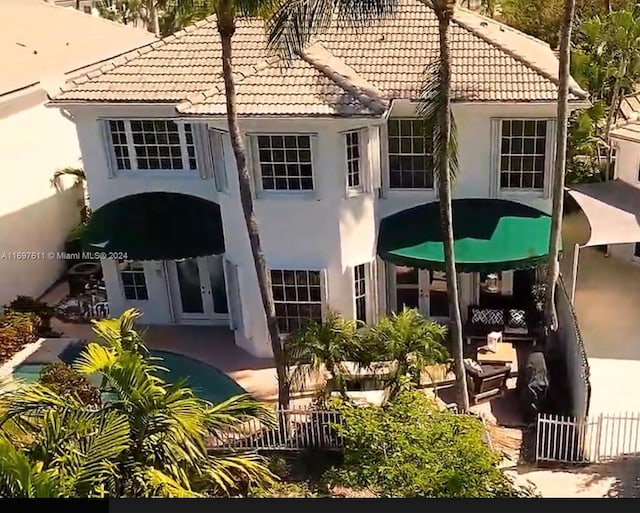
[612, 208]
[41, 45]
[343, 180]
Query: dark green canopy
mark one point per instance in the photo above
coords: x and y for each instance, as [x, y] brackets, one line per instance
[490, 235]
[156, 226]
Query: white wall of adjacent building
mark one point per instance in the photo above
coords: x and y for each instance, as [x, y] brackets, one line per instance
[627, 169]
[326, 229]
[34, 215]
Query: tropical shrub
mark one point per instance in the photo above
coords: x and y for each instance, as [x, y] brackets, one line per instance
[16, 331]
[27, 304]
[411, 342]
[150, 440]
[65, 381]
[319, 346]
[408, 448]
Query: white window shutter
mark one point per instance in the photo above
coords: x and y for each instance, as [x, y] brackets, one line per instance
[252, 165]
[550, 158]
[218, 162]
[324, 290]
[313, 140]
[365, 160]
[380, 286]
[203, 150]
[233, 287]
[495, 158]
[108, 148]
[374, 158]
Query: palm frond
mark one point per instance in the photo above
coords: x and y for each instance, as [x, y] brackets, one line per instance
[296, 22]
[226, 471]
[429, 107]
[235, 411]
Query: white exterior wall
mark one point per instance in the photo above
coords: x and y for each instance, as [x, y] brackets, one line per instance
[325, 230]
[34, 216]
[626, 169]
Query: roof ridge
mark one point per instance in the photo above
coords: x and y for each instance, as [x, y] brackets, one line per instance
[346, 78]
[195, 98]
[504, 48]
[122, 59]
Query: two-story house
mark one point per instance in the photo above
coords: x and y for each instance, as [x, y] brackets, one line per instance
[343, 177]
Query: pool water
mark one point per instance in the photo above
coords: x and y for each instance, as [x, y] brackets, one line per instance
[206, 381]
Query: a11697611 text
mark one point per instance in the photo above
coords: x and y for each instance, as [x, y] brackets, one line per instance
[61, 255]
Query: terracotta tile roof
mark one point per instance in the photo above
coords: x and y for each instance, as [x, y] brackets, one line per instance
[343, 75]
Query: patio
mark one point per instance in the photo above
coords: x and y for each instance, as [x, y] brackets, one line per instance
[210, 344]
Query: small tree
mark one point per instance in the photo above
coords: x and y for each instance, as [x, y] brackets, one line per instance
[410, 342]
[323, 345]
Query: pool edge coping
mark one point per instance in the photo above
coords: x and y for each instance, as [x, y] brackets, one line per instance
[7, 368]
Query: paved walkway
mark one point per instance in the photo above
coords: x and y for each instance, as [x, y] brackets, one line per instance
[619, 479]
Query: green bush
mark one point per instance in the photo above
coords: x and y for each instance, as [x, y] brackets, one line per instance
[408, 448]
[65, 381]
[27, 304]
[16, 331]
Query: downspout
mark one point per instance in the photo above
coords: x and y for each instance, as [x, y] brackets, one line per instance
[574, 272]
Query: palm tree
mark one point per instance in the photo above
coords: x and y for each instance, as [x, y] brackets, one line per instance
[147, 439]
[435, 109]
[555, 237]
[409, 342]
[323, 345]
[291, 28]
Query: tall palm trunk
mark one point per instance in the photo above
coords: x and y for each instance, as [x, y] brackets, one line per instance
[553, 266]
[153, 21]
[226, 28]
[444, 12]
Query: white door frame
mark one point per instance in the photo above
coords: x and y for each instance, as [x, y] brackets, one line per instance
[208, 315]
[423, 288]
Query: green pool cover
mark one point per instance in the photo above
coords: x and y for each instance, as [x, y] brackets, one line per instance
[490, 235]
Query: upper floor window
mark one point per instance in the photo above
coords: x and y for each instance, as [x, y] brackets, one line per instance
[523, 149]
[410, 155]
[152, 145]
[285, 162]
[354, 161]
[298, 298]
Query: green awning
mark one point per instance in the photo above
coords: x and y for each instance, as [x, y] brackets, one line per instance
[490, 235]
[156, 226]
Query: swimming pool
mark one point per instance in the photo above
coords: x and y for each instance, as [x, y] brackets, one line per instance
[207, 382]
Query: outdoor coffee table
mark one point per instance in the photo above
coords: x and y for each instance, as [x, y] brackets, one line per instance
[505, 353]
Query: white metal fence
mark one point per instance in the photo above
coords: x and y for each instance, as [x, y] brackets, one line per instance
[589, 440]
[292, 430]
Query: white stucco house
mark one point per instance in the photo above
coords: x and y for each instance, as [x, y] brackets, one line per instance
[343, 177]
[42, 45]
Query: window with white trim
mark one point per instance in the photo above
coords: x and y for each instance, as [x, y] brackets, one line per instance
[410, 155]
[360, 273]
[285, 162]
[523, 152]
[298, 298]
[354, 161]
[151, 144]
[134, 282]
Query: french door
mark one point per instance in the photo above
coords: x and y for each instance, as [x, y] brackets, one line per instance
[198, 291]
[421, 289]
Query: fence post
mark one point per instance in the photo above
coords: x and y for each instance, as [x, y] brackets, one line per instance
[598, 436]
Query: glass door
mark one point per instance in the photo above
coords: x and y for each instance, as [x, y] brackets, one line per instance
[408, 288]
[198, 289]
[438, 296]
